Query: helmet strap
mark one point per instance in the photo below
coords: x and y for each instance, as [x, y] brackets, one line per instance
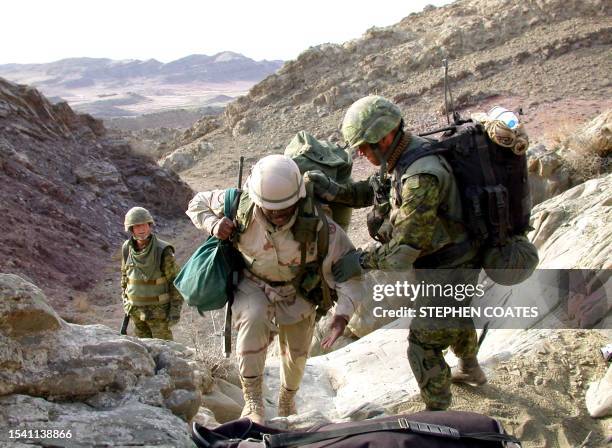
[396, 140]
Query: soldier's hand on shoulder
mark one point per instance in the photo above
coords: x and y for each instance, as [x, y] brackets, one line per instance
[321, 183]
[224, 228]
[347, 267]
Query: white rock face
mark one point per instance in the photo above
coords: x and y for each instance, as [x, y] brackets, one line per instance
[548, 175]
[574, 229]
[599, 396]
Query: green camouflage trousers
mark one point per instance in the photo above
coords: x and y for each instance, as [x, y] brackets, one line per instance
[151, 321]
[429, 337]
[428, 364]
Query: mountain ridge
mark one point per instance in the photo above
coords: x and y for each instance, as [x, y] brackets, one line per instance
[96, 85]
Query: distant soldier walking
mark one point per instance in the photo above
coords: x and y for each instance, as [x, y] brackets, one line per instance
[148, 269]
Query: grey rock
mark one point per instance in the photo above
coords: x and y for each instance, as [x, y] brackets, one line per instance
[23, 311]
[229, 389]
[134, 424]
[205, 417]
[222, 406]
[243, 127]
[184, 403]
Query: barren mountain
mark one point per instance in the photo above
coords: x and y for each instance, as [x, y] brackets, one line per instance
[552, 58]
[109, 88]
[66, 185]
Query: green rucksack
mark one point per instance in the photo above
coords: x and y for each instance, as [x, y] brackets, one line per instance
[205, 280]
[311, 154]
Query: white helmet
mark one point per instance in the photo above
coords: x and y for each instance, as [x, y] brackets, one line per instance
[276, 183]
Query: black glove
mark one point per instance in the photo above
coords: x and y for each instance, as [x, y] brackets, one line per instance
[323, 186]
[347, 267]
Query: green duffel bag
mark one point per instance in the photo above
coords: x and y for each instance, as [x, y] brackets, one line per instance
[205, 280]
[311, 154]
[511, 263]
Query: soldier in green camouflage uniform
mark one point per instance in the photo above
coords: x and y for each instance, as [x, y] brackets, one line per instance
[148, 270]
[422, 229]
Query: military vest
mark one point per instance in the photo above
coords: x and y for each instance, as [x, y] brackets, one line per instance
[146, 284]
[293, 254]
[448, 229]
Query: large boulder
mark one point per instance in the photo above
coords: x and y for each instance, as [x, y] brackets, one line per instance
[574, 229]
[549, 175]
[80, 425]
[186, 156]
[107, 388]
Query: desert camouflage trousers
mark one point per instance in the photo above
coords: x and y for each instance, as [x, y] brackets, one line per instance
[151, 321]
[256, 322]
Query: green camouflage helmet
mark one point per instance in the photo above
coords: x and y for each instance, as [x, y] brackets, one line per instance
[369, 120]
[137, 215]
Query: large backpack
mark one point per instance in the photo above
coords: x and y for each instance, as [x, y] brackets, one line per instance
[442, 429]
[492, 181]
[495, 198]
[312, 154]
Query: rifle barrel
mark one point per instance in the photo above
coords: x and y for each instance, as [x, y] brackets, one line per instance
[435, 131]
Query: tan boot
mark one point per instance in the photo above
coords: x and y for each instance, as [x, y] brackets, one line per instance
[253, 399]
[468, 371]
[286, 402]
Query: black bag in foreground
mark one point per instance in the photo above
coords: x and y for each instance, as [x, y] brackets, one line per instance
[446, 429]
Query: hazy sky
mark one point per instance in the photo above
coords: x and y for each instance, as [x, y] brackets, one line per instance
[48, 30]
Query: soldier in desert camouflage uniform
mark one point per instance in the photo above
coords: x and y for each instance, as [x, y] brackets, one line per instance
[423, 229]
[148, 270]
[268, 301]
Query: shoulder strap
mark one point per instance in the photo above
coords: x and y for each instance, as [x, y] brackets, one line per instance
[322, 250]
[413, 155]
[230, 204]
[401, 424]
[125, 251]
[322, 234]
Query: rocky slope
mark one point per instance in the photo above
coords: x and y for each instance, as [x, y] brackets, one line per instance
[109, 88]
[549, 57]
[66, 185]
[98, 388]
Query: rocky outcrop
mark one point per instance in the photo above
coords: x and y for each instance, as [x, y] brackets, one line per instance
[66, 185]
[582, 214]
[105, 388]
[81, 425]
[549, 175]
[583, 154]
[530, 52]
[186, 156]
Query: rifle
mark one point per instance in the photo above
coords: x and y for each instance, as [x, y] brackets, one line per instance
[232, 284]
[124, 324]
